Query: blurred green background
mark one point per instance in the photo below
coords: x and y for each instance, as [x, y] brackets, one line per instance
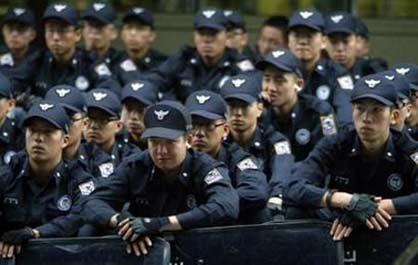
[393, 23]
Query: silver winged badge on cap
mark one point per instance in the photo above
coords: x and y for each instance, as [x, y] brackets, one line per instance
[161, 114]
[372, 83]
[202, 99]
[98, 96]
[46, 106]
[62, 92]
[238, 82]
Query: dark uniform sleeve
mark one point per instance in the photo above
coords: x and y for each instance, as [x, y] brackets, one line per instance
[222, 202]
[342, 95]
[108, 197]
[306, 184]
[63, 226]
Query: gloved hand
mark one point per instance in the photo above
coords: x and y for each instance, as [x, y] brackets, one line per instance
[361, 208]
[122, 216]
[148, 226]
[17, 237]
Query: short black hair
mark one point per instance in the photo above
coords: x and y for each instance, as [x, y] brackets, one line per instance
[279, 22]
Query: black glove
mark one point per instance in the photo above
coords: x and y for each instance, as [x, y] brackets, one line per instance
[148, 226]
[18, 237]
[362, 207]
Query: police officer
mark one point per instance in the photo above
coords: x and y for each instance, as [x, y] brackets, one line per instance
[410, 71]
[271, 148]
[74, 104]
[237, 35]
[273, 35]
[18, 34]
[323, 78]
[63, 62]
[341, 44]
[41, 193]
[138, 34]
[207, 66]
[208, 111]
[304, 119]
[99, 31]
[372, 170]
[10, 136]
[136, 97]
[103, 150]
[169, 186]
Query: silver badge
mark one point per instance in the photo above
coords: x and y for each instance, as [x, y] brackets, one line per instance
[99, 96]
[62, 92]
[59, 8]
[213, 176]
[282, 147]
[305, 14]
[323, 92]
[402, 71]
[86, 188]
[106, 169]
[278, 53]
[336, 19]
[328, 125]
[395, 182]
[82, 83]
[161, 114]
[98, 6]
[136, 86]
[64, 203]
[46, 106]
[202, 99]
[303, 136]
[8, 156]
[372, 83]
[208, 13]
[238, 82]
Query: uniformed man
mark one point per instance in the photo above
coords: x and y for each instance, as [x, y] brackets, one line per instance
[208, 110]
[41, 193]
[169, 186]
[273, 35]
[371, 169]
[10, 135]
[207, 66]
[237, 35]
[74, 104]
[103, 150]
[340, 31]
[136, 97]
[410, 71]
[304, 119]
[18, 25]
[63, 62]
[323, 78]
[271, 148]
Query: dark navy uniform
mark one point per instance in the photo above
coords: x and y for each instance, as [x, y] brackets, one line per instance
[363, 67]
[309, 121]
[186, 72]
[201, 194]
[101, 164]
[11, 140]
[53, 210]
[393, 175]
[413, 132]
[151, 60]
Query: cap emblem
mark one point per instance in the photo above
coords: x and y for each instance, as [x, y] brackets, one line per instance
[202, 99]
[98, 96]
[372, 83]
[161, 114]
[46, 106]
[238, 82]
[305, 14]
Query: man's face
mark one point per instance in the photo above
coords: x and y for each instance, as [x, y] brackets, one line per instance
[18, 36]
[133, 117]
[136, 36]
[236, 38]
[77, 127]
[5, 106]
[270, 39]
[413, 117]
[210, 43]
[207, 135]
[362, 46]
[61, 38]
[305, 43]
[242, 116]
[167, 155]
[101, 128]
[341, 48]
[280, 86]
[371, 120]
[98, 35]
[44, 142]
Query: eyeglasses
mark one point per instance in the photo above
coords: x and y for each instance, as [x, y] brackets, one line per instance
[100, 121]
[208, 127]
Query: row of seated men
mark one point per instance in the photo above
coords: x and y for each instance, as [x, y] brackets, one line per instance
[261, 146]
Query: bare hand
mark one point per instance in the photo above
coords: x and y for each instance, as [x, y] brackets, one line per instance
[125, 230]
[8, 250]
[380, 220]
[139, 247]
[339, 231]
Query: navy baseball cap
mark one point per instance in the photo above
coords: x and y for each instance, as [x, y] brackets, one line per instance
[410, 71]
[20, 15]
[6, 89]
[206, 104]
[243, 87]
[166, 119]
[69, 97]
[61, 11]
[212, 18]
[101, 12]
[234, 19]
[140, 14]
[310, 18]
[375, 87]
[282, 59]
[339, 22]
[140, 90]
[361, 28]
[104, 100]
[400, 82]
[50, 111]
